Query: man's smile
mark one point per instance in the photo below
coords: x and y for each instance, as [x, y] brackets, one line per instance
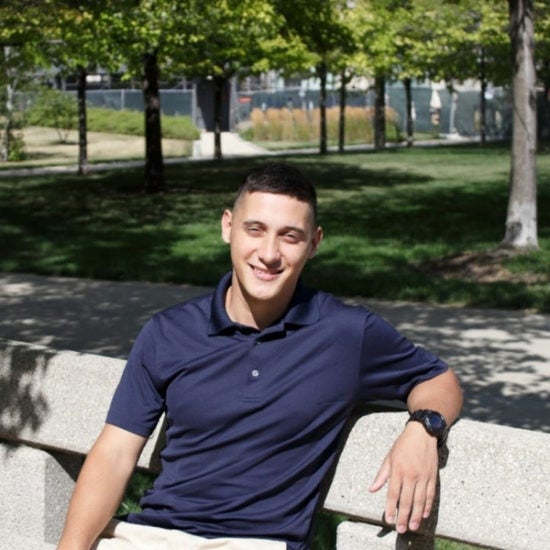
[266, 274]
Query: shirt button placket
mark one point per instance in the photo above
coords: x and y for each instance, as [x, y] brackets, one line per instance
[254, 373]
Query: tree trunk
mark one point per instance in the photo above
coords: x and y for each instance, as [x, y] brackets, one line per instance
[7, 130]
[8, 116]
[380, 112]
[521, 220]
[322, 71]
[154, 164]
[82, 126]
[546, 113]
[482, 101]
[219, 85]
[342, 114]
[545, 119]
[483, 114]
[409, 111]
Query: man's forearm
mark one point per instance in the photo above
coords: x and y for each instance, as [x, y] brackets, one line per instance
[441, 393]
[100, 488]
[410, 468]
[94, 501]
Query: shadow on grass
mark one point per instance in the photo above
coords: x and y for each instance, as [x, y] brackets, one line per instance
[383, 215]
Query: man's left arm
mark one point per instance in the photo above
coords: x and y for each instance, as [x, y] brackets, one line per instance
[411, 466]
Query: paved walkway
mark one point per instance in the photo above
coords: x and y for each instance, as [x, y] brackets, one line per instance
[502, 357]
[233, 146]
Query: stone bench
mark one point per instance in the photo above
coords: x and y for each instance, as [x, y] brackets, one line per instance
[494, 480]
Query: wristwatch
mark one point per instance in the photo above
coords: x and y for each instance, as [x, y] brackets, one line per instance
[434, 423]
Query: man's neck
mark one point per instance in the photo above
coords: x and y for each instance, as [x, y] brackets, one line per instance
[249, 313]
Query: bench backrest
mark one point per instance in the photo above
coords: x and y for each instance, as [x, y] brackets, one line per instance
[58, 400]
[493, 481]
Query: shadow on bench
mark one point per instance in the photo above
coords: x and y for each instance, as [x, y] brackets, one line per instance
[493, 489]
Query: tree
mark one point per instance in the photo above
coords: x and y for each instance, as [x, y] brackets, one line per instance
[227, 39]
[142, 30]
[412, 41]
[319, 26]
[521, 219]
[22, 33]
[81, 44]
[478, 31]
[376, 25]
[422, 29]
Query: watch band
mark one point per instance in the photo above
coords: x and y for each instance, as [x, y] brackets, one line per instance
[434, 423]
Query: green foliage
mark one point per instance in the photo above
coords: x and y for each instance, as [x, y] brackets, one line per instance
[138, 485]
[115, 122]
[390, 220]
[133, 123]
[230, 38]
[53, 109]
[16, 147]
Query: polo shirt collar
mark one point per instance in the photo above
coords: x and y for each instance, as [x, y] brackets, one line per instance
[303, 309]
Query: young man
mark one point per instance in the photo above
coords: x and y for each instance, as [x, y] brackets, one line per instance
[257, 381]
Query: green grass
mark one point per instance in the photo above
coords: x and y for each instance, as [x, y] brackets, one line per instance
[386, 217]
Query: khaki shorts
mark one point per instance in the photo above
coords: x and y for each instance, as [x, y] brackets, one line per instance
[121, 535]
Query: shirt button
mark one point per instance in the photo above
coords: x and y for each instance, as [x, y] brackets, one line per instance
[255, 373]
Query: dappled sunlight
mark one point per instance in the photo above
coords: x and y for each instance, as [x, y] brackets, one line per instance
[501, 357]
[23, 406]
[82, 314]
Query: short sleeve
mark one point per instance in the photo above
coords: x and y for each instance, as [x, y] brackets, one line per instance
[391, 365]
[138, 402]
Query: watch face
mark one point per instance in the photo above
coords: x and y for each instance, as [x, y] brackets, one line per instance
[434, 423]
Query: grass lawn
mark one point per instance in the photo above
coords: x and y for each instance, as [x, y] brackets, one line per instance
[420, 224]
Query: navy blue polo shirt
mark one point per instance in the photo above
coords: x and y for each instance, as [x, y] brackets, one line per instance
[254, 417]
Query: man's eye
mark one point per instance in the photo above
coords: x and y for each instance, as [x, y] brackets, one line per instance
[292, 237]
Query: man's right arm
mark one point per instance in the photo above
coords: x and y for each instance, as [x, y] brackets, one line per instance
[100, 486]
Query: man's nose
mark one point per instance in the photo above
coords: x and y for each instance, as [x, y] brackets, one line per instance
[269, 250]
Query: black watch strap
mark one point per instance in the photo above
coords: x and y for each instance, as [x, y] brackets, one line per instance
[433, 422]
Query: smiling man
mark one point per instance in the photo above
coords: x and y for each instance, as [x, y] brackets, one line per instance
[258, 380]
[271, 235]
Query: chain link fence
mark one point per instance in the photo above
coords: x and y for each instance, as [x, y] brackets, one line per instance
[433, 111]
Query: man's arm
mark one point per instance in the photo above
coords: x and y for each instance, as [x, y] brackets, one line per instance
[100, 486]
[411, 466]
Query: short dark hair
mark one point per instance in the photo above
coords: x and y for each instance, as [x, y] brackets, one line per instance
[280, 179]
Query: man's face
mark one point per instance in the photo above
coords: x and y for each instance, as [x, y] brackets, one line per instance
[271, 238]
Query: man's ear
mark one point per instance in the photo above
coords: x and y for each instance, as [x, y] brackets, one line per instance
[227, 218]
[316, 241]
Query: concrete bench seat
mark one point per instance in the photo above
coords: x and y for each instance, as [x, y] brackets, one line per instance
[494, 480]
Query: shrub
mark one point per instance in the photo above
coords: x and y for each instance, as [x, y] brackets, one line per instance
[133, 123]
[53, 109]
[16, 147]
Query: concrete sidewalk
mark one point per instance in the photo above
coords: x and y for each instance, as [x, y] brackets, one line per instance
[502, 357]
[233, 146]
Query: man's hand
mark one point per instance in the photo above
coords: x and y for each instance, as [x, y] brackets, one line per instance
[411, 469]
